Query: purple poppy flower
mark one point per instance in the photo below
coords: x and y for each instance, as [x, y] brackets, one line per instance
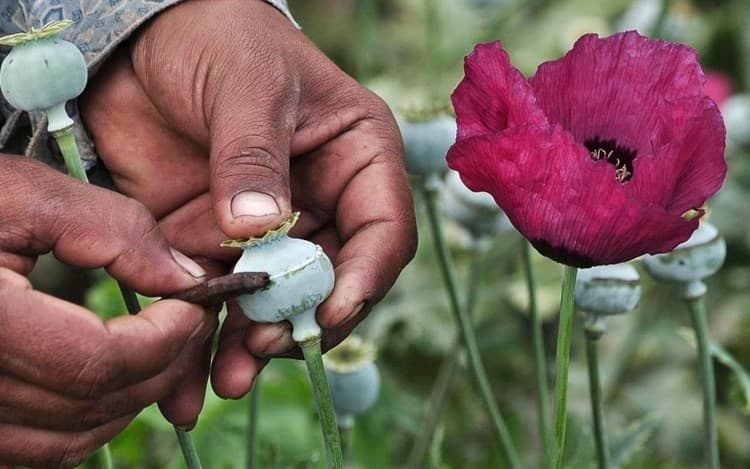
[597, 156]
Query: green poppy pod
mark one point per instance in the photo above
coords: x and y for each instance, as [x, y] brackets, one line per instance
[42, 72]
[426, 143]
[477, 212]
[353, 378]
[301, 278]
[701, 256]
[607, 290]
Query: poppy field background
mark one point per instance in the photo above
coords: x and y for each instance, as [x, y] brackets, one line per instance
[411, 52]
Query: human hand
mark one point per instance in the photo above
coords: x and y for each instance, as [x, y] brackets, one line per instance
[68, 381]
[222, 118]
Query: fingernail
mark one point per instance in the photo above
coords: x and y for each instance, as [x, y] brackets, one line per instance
[254, 204]
[357, 309]
[281, 343]
[187, 263]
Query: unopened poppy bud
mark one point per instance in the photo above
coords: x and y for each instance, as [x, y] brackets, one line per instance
[42, 72]
[353, 378]
[426, 143]
[701, 256]
[301, 278]
[475, 211]
[608, 289]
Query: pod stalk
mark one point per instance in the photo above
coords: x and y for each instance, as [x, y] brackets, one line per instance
[562, 359]
[593, 337]
[467, 333]
[697, 307]
[322, 393]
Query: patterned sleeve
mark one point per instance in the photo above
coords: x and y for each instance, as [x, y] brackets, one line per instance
[100, 26]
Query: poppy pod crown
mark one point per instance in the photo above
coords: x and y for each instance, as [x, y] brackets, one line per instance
[597, 156]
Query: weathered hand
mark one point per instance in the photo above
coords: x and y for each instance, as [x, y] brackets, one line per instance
[222, 118]
[68, 381]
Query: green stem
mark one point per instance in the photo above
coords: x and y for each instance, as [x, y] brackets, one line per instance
[540, 357]
[68, 147]
[445, 380]
[252, 422]
[467, 333]
[697, 307]
[347, 437]
[593, 335]
[188, 449]
[321, 391]
[102, 459]
[623, 359]
[66, 140]
[562, 359]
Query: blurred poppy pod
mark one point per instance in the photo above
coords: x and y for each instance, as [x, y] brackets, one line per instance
[475, 211]
[697, 258]
[736, 112]
[607, 290]
[353, 378]
[426, 142]
[596, 157]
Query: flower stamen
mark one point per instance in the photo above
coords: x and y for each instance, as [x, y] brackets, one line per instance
[609, 151]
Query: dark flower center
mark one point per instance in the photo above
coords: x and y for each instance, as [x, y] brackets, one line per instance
[608, 150]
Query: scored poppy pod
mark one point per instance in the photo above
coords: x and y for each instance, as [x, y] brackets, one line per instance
[597, 156]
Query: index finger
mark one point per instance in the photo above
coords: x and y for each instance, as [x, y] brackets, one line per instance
[374, 218]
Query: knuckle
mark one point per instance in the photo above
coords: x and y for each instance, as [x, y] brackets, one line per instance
[77, 449]
[257, 161]
[96, 375]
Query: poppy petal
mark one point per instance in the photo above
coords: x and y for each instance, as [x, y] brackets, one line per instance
[493, 95]
[572, 211]
[686, 172]
[621, 88]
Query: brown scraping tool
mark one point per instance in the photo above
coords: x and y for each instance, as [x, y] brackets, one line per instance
[220, 289]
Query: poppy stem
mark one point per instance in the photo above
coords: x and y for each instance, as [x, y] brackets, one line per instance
[102, 459]
[322, 393]
[467, 333]
[594, 330]
[444, 382]
[252, 422]
[540, 357]
[192, 461]
[562, 359]
[696, 301]
[69, 148]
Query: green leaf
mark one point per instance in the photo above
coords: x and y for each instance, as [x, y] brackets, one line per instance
[632, 440]
[742, 378]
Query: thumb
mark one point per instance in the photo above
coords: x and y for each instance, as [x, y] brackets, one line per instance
[250, 137]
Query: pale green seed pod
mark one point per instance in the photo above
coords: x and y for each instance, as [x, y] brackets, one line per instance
[353, 378]
[301, 278]
[607, 290]
[426, 142]
[477, 212]
[701, 256]
[42, 72]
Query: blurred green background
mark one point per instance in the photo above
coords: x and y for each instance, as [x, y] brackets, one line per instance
[410, 52]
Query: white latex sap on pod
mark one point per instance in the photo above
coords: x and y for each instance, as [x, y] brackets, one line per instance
[607, 290]
[353, 378]
[42, 72]
[301, 278]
